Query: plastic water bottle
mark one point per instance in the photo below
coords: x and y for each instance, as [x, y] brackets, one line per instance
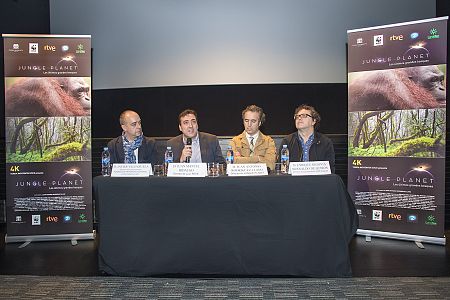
[168, 158]
[284, 160]
[230, 155]
[106, 162]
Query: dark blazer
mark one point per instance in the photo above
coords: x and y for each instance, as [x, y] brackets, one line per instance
[147, 151]
[321, 148]
[209, 147]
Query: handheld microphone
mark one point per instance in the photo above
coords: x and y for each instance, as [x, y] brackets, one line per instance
[188, 143]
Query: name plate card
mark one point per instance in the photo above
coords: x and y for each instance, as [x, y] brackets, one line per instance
[247, 169]
[131, 170]
[309, 168]
[187, 170]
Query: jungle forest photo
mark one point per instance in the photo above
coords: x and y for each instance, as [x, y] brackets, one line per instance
[48, 139]
[399, 133]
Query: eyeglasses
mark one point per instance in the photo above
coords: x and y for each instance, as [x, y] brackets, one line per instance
[302, 116]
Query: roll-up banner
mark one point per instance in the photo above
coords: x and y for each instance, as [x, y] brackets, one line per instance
[396, 129]
[48, 137]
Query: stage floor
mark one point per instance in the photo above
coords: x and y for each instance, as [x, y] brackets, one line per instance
[380, 258]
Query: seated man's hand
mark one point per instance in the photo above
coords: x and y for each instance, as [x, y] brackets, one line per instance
[187, 152]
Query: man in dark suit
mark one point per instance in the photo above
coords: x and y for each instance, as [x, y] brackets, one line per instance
[132, 146]
[307, 144]
[204, 146]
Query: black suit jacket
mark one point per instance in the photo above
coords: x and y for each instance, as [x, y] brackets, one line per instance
[209, 148]
[147, 151]
[321, 148]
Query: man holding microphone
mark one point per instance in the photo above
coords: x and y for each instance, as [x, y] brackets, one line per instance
[192, 145]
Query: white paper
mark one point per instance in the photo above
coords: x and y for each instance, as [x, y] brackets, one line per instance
[131, 170]
[259, 169]
[187, 170]
[321, 167]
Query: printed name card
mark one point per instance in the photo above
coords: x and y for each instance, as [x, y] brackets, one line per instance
[131, 170]
[309, 168]
[187, 170]
[247, 169]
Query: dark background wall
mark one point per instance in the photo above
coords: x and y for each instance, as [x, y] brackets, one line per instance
[219, 107]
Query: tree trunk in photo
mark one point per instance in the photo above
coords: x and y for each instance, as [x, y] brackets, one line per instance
[365, 117]
[376, 131]
[16, 134]
[33, 137]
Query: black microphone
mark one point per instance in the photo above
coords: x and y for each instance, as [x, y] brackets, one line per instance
[188, 143]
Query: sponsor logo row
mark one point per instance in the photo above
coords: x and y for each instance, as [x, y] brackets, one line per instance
[38, 220]
[380, 39]
[35, 48]
[377, 215]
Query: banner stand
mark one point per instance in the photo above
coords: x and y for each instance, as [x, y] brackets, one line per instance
[52, 237]
[401, 236]
[48, 138]
[397, 123]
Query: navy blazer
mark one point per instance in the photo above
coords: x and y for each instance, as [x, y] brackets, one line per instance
[147, 151]
[209, 148]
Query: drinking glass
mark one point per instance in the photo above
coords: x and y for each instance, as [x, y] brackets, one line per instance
[213, 169]
[277, 170]
[158, 170]
[222, 169]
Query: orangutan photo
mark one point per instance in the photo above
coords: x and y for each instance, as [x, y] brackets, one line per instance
[406, 88]
[47, 97]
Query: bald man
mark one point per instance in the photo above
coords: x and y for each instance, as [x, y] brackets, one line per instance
[132, 146]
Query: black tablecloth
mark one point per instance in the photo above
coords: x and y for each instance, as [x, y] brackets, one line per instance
[272, 225]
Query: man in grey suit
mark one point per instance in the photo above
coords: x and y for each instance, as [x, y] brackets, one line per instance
[192, 145]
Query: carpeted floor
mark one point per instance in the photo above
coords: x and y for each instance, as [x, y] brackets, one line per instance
[48, 287]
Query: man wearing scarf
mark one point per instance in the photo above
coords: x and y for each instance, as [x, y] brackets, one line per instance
[132, 146]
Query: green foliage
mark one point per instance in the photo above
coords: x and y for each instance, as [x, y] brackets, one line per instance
[66, 152]
[419, 147]
[413, 147]
[32, 156]
[371, 151]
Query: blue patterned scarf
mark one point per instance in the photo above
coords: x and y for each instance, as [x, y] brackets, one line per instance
[129, 147]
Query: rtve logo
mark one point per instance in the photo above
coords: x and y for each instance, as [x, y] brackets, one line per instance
[51, 219]
[49, 48]
[396, 37]
[397, 217]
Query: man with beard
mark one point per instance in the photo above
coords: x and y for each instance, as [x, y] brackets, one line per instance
[192, 145]
[307, 144]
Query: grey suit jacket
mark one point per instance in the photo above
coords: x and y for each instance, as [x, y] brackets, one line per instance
[209, 148]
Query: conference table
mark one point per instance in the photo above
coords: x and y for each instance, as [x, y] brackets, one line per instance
[225, 226]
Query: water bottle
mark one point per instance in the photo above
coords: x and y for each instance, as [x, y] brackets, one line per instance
[284, 160]
[106, 162]
[230, 155]
[168, 158]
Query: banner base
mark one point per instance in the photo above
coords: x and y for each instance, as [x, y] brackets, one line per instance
[402, 236]
[53, 237]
